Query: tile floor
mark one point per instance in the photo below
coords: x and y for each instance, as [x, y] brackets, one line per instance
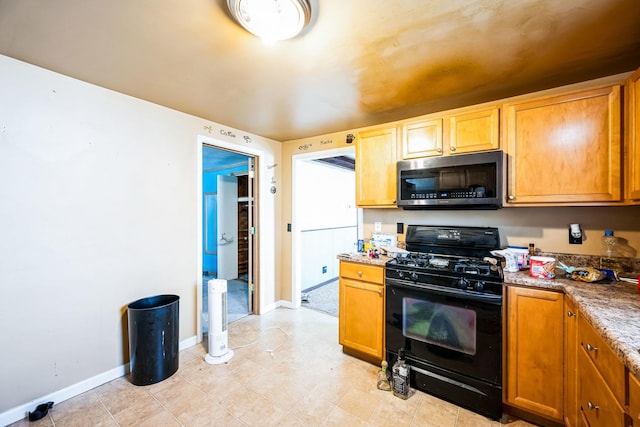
[287, 370]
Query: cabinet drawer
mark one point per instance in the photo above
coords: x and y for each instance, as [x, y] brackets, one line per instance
[603, 358]
[597, 403]
[367, 273]
[634, 399]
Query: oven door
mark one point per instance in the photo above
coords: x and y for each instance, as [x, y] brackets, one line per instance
[447, 328]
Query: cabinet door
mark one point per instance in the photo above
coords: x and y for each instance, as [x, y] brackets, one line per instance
[598, 404]
[535, 351]
[361, 320]
[422, 139]
[571, 410]
[634, 399]
[603, 357]
[633, 177]
[476, 131]
[376, 168]
[565, 149]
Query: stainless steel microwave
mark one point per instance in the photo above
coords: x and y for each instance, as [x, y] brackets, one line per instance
[461, 181]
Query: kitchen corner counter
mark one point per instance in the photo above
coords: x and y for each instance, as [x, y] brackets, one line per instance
[363, 259]
[613, 309]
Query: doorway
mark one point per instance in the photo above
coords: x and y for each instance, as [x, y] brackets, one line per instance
[325, 223]
[228, 215]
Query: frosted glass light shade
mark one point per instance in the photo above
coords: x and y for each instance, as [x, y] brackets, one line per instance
[271, 19]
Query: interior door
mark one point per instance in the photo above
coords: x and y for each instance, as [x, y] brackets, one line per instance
[227, 219]
[251, 232]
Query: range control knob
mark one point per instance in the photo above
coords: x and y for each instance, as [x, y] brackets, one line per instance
[479, 286]
[414, 276]
[400, 274]
[463, 283]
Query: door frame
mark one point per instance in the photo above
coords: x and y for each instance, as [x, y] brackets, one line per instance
[296, 239]
[201, 141]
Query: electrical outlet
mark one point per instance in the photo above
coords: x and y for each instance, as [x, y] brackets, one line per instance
[575, 234]
[400, 227]
[377, 227]
[575, 240]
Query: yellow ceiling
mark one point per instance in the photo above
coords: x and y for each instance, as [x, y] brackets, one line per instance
[360, 62]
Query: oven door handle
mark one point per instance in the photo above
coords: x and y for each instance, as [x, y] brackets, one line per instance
[486, 298]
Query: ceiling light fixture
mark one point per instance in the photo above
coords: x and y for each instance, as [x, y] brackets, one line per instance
[271, 19]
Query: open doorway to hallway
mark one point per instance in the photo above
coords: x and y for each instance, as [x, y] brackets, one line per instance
[228, 206]
[325, 223]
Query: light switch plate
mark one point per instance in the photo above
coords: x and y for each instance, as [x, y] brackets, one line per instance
[377, 227]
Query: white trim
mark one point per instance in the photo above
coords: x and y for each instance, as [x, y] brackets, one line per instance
[20, 412]
[296, 233]
[258, 154]
[286, 304]
[188, 343]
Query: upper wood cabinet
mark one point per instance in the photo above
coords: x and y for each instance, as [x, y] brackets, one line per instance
[422, 139]
[376, 168]
[535, 353]
[474, 131]
[633, 140]
[458, 133]
[565, 149]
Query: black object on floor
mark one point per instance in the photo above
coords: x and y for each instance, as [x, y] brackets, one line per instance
[40, 412]
[153, 338]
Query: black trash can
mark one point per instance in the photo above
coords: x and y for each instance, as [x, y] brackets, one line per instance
[153, 338]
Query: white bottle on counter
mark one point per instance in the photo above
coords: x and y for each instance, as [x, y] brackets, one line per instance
[609, 246]
[609, 242]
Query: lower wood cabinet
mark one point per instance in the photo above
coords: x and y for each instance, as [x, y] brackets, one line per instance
[634, 399]
[571, 413]
[361, 311]
[601, 380]
[597, 402]
[535, 351]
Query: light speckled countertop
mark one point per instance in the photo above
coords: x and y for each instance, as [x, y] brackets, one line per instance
[613, 309]
[364, 259]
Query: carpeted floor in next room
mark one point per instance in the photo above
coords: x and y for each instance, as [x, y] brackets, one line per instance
[322, 298]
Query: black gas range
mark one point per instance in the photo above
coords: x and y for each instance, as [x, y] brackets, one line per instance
[482, 276]
[444, 307]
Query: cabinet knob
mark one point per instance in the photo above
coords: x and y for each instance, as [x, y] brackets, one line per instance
[439, 150]
[589, 347]
[592, 406]
[512, 197]
[570, 314]
[380, 293]
[359, 273]
[452, 148]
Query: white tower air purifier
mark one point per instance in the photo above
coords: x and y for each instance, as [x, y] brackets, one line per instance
[219, 351]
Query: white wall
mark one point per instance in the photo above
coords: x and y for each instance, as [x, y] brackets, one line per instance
[327, 218]
[98, 207]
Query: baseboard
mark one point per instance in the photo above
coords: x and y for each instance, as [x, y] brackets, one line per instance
[187, 343]
[281, 303]
[22, 411]
[319, 285]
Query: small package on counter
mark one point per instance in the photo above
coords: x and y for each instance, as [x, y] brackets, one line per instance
[542, 267]
[384, 240]
[586, 274]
